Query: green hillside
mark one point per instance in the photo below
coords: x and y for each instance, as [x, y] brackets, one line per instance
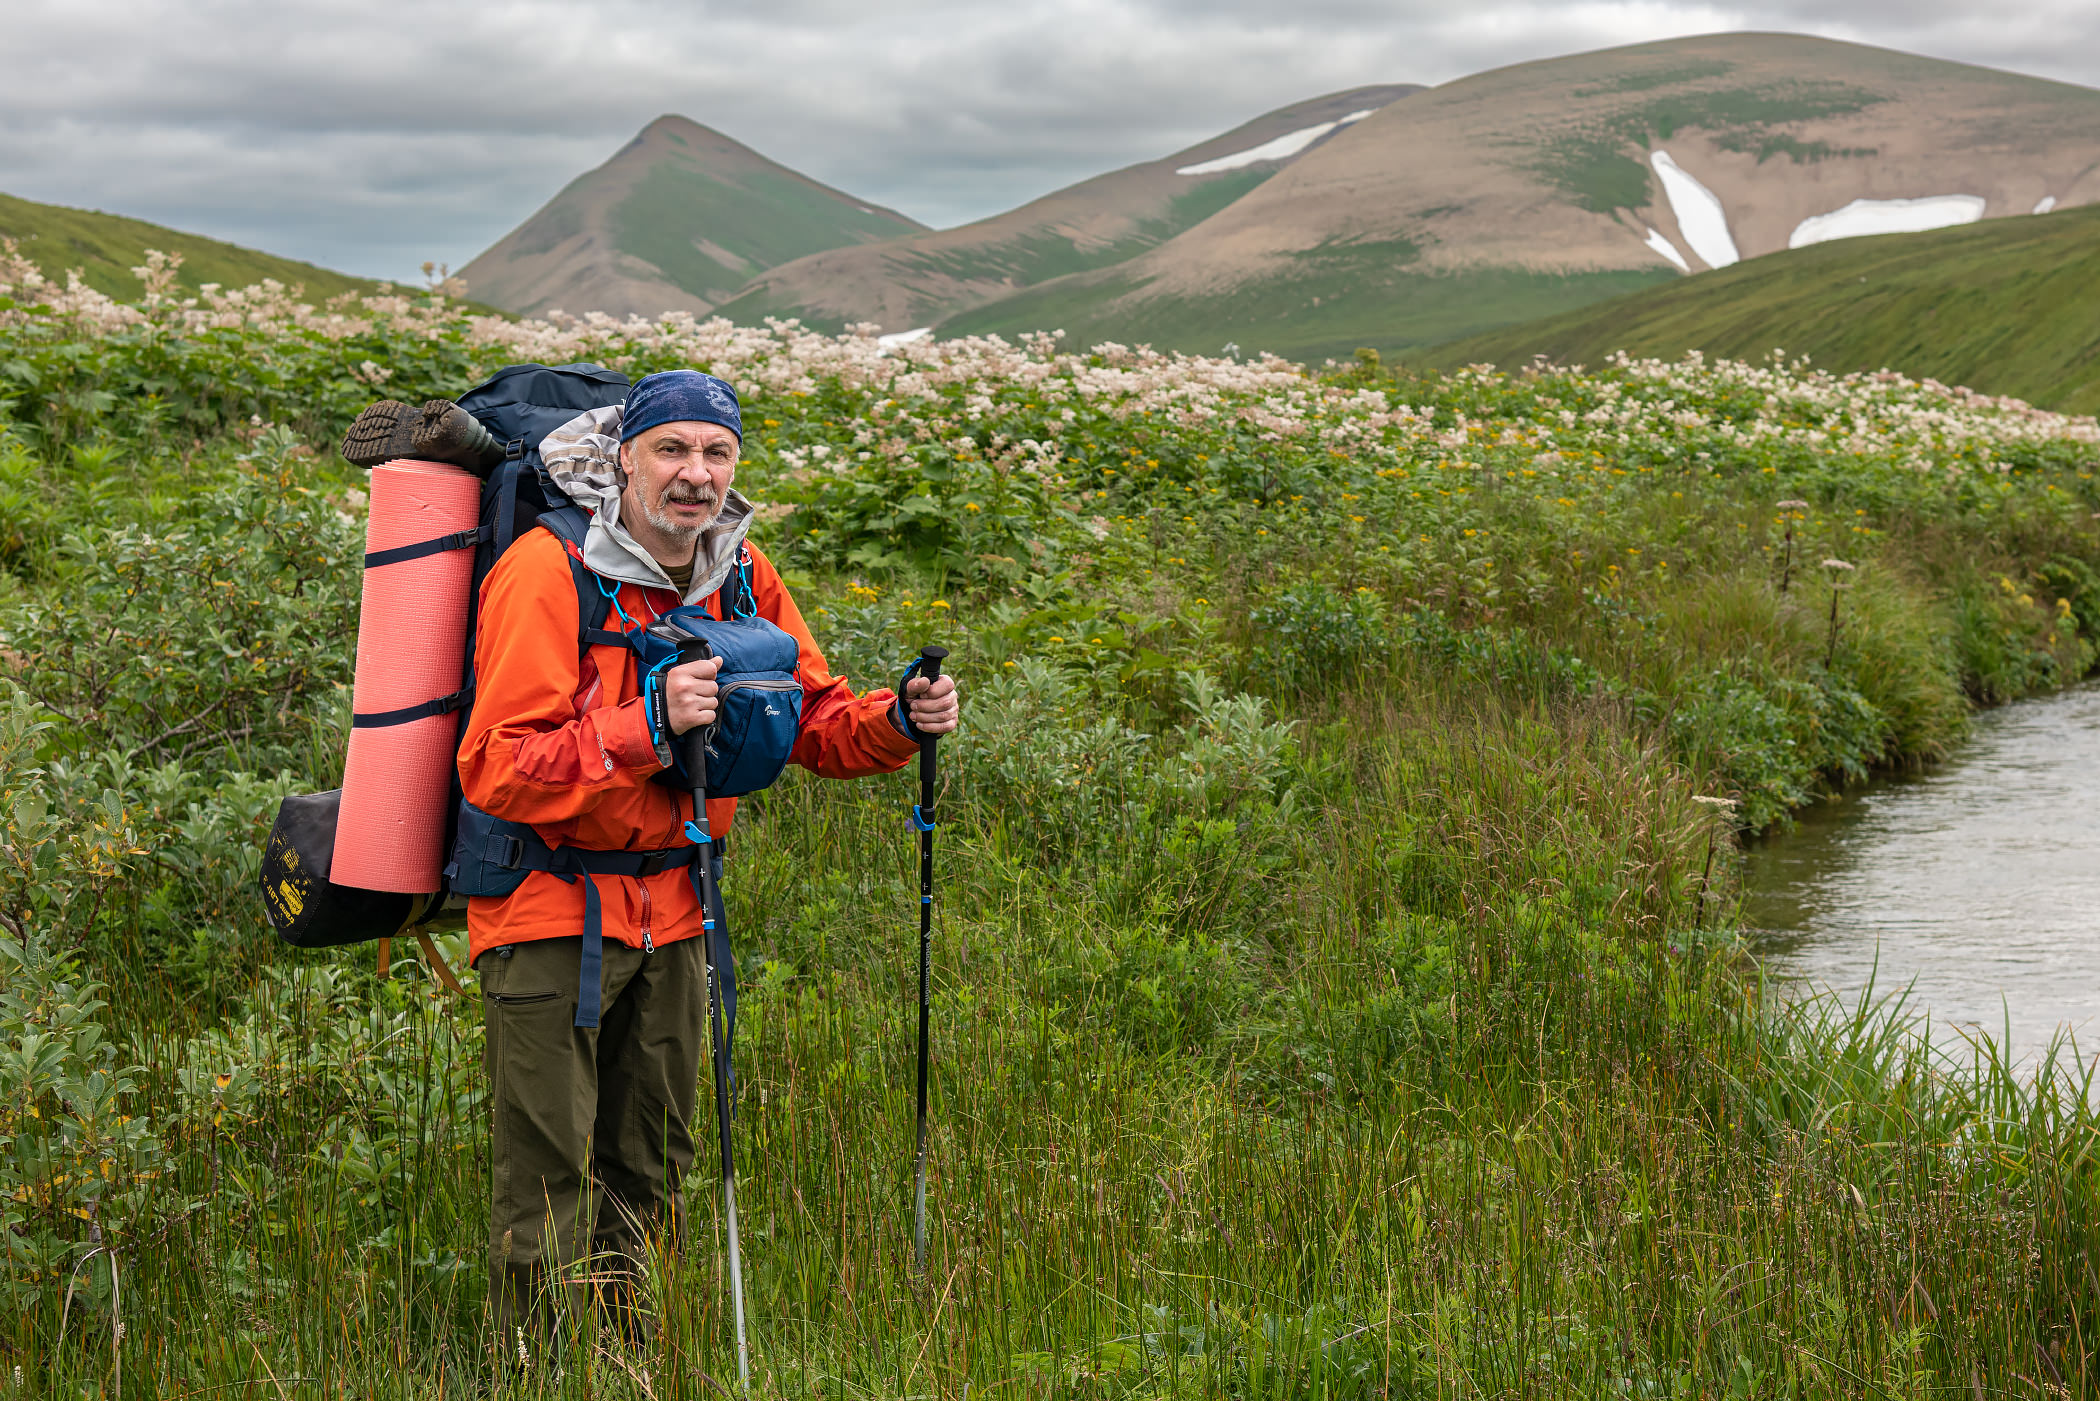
[106, 247]
[1340, 299]
[2008, 306]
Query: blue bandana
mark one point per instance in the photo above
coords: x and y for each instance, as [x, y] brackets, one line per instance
[680, 396]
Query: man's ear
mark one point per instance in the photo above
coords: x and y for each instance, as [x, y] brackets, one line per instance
[620, 467]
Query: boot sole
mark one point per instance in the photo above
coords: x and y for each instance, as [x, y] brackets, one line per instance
[439, 431]
[381, 433]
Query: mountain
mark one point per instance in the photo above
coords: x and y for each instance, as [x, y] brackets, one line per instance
[106, 247]
[678, 220]
[917, 280]
[2008, 306]
[1538, 188]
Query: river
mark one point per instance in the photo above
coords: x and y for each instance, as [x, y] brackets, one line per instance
[1976, 883]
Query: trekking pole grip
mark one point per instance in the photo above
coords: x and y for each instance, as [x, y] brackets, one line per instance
[695, 649]
[930, 659]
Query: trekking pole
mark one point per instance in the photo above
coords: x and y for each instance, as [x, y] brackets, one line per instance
[695, 649]
[930, 659]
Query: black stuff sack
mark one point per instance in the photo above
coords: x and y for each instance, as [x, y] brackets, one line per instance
[308, 910]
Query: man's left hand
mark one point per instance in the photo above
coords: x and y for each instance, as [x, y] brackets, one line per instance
[932, 705]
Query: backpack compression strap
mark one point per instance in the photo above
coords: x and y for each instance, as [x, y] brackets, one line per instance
[442, 705]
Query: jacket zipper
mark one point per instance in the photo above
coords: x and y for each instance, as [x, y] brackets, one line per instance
[648, 944]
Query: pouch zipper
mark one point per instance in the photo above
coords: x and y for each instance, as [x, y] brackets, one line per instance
[761, 686]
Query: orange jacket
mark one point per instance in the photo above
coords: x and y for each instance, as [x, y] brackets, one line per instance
[559, 741]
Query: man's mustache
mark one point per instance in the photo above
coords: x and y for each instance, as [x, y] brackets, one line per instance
[688, 496]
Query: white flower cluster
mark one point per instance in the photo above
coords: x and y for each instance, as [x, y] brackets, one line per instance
[1676, 407]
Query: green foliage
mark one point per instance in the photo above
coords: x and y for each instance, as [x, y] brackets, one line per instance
[75, 1166]
[976, 506]
[219, 634]
[1317, 639]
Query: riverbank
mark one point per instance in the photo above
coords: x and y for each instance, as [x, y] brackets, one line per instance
[1338, 990]
[1968, 890]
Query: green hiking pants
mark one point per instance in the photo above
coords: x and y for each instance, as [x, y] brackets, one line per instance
[592, 1126]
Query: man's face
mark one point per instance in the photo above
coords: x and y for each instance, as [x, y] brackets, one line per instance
[678, 475]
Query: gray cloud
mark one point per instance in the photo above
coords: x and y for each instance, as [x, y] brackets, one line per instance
[369, 135]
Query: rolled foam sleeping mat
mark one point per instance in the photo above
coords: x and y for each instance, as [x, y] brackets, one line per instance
[411, 650]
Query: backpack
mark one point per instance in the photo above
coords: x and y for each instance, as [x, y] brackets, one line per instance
[758, 721]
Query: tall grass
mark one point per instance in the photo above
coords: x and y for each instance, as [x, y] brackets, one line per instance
[1449, 1098]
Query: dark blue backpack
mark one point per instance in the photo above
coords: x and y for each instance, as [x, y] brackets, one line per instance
[761, 707]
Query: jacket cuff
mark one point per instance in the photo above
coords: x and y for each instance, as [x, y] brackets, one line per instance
[628, 741]
[899, 738]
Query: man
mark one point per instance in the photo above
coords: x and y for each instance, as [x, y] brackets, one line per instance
[591, 1124]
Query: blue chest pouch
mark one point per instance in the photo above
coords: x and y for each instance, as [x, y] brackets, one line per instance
[759, 712]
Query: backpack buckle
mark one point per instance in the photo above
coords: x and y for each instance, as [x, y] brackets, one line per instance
[654, 863]
[513, 854]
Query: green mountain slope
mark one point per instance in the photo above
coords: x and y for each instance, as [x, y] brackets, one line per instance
[678, 220]
[1097, 223]
[2009, 306]
[106, 247]
[1530, 190]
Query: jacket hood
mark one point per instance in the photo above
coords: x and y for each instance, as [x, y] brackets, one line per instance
[583, 457]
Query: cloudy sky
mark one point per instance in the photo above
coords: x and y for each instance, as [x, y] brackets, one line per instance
[370, 135]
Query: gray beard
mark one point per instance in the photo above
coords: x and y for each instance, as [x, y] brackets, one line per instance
[658, 515]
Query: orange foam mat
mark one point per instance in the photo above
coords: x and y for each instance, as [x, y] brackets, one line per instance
[411, 648]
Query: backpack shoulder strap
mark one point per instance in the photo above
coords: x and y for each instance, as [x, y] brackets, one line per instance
[570, 524]
[736, 598]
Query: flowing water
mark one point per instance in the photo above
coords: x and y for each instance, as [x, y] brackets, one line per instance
[1976, 884]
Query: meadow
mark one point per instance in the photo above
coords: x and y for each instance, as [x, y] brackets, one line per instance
[1338, 986]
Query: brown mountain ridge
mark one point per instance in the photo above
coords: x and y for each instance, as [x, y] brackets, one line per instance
[919, 279]
[678, 220]
[1532, 189]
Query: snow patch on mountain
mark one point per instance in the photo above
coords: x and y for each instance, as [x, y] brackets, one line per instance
[1700, 216]
[2048, 202]
[1661, 244]
[1281, 148]
[890, 342]
[1882, 216]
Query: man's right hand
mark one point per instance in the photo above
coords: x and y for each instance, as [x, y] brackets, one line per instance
[689, 694]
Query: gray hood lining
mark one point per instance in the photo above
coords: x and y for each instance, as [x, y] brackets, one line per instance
[583, 457]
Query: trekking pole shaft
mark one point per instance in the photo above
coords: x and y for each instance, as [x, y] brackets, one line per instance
[695, 742]
[930, 659]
